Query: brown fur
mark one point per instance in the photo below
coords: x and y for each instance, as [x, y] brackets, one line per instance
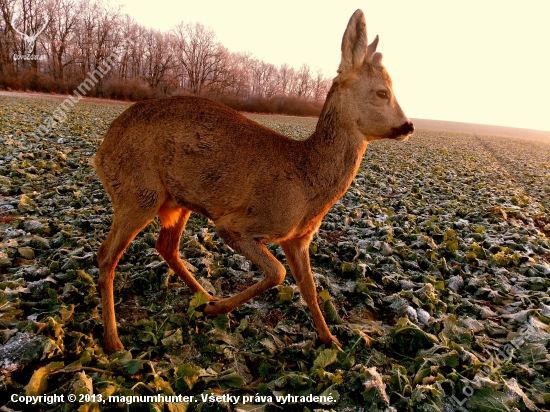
[172, 156]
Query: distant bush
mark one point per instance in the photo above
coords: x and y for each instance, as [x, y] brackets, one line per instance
[129, 90]
[289, 105]
[135, 90]
[36, 81]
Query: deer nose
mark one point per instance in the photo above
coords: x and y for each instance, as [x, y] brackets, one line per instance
[404, 130]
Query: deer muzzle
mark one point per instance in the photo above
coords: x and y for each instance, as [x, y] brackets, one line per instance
[402, 131]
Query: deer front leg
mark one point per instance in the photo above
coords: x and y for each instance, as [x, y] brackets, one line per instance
[261, 257]
[297, 255]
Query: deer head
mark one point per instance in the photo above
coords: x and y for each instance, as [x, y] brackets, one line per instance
[365, 88]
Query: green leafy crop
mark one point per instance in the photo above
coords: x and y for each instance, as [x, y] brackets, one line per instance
[433, 271]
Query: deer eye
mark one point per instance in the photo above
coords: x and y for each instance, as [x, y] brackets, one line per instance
[382, 94]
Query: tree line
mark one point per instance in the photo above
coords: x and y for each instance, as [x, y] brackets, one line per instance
[53, 45]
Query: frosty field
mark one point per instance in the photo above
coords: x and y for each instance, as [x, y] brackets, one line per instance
[433, 271]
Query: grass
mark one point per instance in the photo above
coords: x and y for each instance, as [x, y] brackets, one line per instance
[433, 271]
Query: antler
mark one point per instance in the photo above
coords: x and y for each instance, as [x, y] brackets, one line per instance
[43, 27]
[32, 36]
[13, 27]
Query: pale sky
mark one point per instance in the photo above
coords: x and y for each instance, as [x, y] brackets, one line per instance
[470, 61]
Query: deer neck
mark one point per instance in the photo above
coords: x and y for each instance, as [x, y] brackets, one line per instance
[334, 151]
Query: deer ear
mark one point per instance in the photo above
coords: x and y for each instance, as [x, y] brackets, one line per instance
[354, 42]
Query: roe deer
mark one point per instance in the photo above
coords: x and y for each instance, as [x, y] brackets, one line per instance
[171, 156]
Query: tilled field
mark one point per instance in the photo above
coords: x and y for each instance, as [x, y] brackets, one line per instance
[433, 271]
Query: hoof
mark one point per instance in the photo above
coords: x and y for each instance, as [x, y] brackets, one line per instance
[330, 341]
[338, 346]
[211, 300]
[214, 308]
[205, 306]
[112, 346]
[201, 308]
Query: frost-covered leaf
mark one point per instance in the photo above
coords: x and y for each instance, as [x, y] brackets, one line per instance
[325, 358]
[199, 298]
[489, 400]
[186, 375]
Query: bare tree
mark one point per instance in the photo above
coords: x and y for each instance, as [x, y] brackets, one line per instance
[98, 34]
[271, 80]
[287, 79]
[320, 85]
[137, 52]
[82, 36]
[303, 82]
[61, 34]
[158, 60]
[7, 39]
[261, 74]
[200, 55]
[239, 65]
[229, 74]
[129, 31]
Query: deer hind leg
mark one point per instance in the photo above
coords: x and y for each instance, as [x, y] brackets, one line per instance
[297, 255]
[261, 257]
[173, 220]
[126, 225]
